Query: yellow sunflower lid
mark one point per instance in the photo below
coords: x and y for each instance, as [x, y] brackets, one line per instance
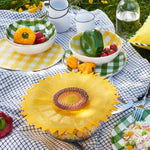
[68, 102]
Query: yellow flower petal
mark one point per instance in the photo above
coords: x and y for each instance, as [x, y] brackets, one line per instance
[27, 6]
[34, 5]
[13, 2]
[32, 10]
[90, 1]
[40, 3]
[104, 1]
[20, 10]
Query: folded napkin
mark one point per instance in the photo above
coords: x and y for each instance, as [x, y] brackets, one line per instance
[142, 36]
[131, 82]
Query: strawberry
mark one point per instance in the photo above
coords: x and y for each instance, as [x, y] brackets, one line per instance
[114, 47]
[111, 51]
[103, 54]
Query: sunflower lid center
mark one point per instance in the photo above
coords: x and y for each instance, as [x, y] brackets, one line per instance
[71, 98]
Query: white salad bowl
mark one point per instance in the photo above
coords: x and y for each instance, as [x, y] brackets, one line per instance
[108, 39]
[46, 27]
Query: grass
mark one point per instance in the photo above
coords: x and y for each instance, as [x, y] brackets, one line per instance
[110, 10]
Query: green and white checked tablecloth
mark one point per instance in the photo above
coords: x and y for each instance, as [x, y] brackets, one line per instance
[107, 69]
[123, 123]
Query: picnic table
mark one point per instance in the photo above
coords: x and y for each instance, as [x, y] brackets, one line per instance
[131, 82]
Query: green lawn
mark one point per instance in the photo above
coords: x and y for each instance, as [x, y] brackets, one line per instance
[110, 10]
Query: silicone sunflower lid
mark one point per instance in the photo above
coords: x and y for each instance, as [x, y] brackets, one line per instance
[68, 102]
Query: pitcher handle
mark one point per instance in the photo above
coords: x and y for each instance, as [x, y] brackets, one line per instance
[44, 6]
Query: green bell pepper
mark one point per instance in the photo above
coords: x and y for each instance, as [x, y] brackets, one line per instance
[92, 43]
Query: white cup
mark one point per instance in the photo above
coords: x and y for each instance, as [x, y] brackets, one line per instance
[62, 23]
[84, 21]
[56, 8]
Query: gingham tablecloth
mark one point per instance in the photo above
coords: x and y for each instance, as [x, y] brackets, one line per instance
[131, 82]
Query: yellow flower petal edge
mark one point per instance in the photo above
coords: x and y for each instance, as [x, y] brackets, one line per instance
[39, 109]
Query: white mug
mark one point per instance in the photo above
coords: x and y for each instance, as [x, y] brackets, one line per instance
[62, 23]
[84, 21]
[56, 8]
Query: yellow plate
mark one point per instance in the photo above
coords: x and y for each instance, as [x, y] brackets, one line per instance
[9, 59]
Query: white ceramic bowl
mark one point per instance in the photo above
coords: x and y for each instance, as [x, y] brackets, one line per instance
[45, 26]
[108, 39]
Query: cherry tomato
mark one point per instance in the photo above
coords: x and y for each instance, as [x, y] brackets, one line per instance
[41, 40]
[111, 51]
[106, 49]
[114, 47]
[38, 35]
[103, 54]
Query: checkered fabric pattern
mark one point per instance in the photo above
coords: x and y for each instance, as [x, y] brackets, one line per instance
[10, 59]
[108, 69]
[131, 82]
